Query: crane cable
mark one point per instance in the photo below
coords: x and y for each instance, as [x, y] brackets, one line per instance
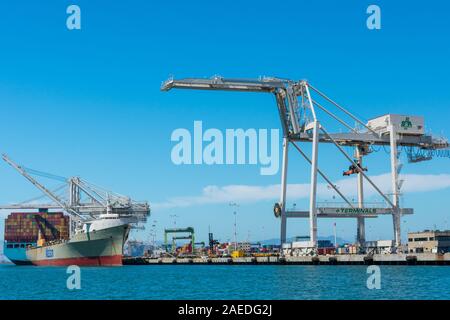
[45, 174]
[418, 152]
[59, 188]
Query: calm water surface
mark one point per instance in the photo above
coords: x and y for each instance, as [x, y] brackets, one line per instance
[226, 282]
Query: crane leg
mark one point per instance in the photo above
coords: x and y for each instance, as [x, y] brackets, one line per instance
[361, 229]
[283, 189]
[395, 189]
[313, 194]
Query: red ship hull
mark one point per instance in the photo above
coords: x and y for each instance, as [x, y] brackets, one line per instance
[106, 261]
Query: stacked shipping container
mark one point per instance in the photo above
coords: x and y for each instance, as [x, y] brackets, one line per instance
[22, 226]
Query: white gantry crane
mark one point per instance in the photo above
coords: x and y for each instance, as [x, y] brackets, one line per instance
[83, 201]
[299, 105]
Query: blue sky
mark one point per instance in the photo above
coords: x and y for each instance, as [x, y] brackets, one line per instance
[88, 102]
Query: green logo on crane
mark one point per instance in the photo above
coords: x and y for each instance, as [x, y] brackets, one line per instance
[407, 124]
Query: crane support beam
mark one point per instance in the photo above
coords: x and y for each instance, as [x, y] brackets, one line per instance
[77, 182]
[341, 212]
[361, 224]
[313, 192]
[305, 214]
[395, 187]
[182, 238]
[284, 171]
[30, 206]
[343, 110]
[352, 139]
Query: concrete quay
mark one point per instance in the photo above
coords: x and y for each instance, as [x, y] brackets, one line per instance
[377, 259]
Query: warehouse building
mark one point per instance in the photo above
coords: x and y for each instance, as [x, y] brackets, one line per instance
[429, 242]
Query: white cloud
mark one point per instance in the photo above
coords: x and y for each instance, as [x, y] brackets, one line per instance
[251, 194]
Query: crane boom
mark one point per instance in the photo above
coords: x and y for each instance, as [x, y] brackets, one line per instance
[285, 91]
[51, 195]
[269, 85]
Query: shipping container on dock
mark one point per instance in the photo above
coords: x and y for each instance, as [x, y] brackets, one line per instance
[22, 231]
[326, 251]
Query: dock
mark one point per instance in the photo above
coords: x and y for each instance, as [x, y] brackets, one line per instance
[377, 259]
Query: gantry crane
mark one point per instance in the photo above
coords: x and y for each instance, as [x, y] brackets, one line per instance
[299, 115]
[83, 201]
[190, 237]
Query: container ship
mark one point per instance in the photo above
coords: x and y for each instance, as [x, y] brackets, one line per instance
[90, 229]
[42, 239]
[96, 243]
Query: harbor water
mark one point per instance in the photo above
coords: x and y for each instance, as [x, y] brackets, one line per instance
[168, 282]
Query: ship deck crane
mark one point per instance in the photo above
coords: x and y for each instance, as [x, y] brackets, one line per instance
[84, 201]
[299, 111]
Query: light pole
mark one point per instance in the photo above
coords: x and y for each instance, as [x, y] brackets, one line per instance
[235, 205]
[154, 233]
[174, 216]
[335, 235]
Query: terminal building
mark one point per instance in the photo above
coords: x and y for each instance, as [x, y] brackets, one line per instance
[429, 242]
